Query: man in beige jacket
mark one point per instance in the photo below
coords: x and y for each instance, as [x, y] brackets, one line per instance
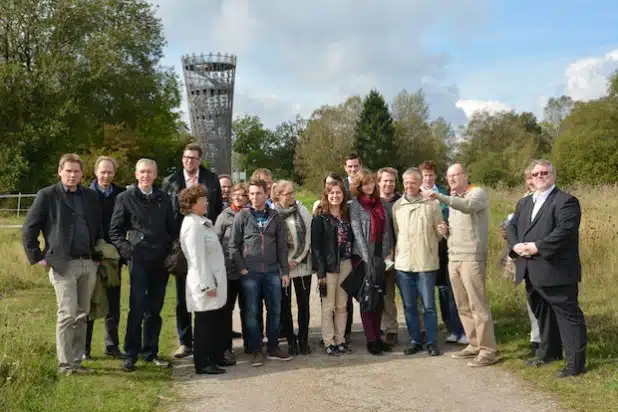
[467, 246]
[417, 222]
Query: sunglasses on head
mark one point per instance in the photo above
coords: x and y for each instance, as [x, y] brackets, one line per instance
[542, 173]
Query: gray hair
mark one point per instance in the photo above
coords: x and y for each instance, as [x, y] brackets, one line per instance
[145, 161]
[412, 170]
[541, 162]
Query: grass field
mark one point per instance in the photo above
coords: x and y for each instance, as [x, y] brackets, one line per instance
[28, 380]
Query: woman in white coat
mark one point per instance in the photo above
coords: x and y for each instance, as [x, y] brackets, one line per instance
[206, 290]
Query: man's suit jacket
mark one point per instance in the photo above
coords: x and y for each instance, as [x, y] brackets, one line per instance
[555, 231]
[52, 214]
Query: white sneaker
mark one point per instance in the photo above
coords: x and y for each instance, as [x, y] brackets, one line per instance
[463, 340]
[452, 338]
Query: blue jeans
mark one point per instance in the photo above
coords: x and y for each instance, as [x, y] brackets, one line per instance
[148, 282]
[412, 284]
[448, 308]
[255, 287]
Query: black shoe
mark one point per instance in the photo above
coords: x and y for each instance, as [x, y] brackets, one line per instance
[128, 365]
[538, 362]
[568, 372]
[374, 348]
[86, 356]
[226, 362]
[331, 350]
[534, 346]
[304, 348]
[432, 350]
[236, 335]
[348, 339]
[293, 348]
[385, 347]
[210, 370]
[412, 349]
[114, 352]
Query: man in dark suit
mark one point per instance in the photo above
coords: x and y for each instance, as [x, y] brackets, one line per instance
[192, 173]
[69, 216]
[543, 238]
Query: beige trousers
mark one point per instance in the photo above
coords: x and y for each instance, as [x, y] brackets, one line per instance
[336, 301]
[73, 293]
[389, 314]
[468, 283]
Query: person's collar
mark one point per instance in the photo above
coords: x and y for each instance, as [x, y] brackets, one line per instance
[186, 175]
[145, 192]
[543, 195]
[253, 209]
[66, 188]
[105, 192]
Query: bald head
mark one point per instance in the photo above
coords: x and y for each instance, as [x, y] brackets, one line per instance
[457, 178]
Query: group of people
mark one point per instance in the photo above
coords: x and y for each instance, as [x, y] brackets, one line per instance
[254, 242]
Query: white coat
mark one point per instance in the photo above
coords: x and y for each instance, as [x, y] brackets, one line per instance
[205, 264]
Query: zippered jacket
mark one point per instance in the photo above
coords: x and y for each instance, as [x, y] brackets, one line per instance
[256, 249]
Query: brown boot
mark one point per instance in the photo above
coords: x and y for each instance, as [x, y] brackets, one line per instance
[390, 339]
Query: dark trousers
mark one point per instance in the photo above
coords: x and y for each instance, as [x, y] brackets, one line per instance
[302, 290]
[183, 316]
[448, 311]
[209, 341]
[148, 281]
[348, 325]
[561, 323]
[234, 291]
[112, 319]
[371, 325]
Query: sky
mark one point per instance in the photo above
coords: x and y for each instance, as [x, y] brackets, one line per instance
[297, 55]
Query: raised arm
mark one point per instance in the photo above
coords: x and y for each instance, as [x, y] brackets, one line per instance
[476, 201]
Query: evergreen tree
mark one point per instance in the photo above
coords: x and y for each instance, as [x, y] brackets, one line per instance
[375, 133]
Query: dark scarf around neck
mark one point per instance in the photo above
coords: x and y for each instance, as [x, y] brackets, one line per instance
[374, 207]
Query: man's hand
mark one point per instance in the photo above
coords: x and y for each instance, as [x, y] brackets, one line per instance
[443, 229]
[504, 233]
[292, 264]
[429, 194]
[520, 249]
[322, 281]
[43, 263]
[244, 272]
[212, 293]
[285, 281]
[532, 249]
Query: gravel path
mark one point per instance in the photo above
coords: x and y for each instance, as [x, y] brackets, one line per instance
[355, 382]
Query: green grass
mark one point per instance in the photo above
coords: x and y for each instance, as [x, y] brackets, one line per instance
[28, 380]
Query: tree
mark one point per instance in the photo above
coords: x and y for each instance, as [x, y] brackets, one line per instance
[329, 136]
[375, 133]
[70, 69]
[285, 140]
[556, 110]
[253, 142]
[587, 150]
[612, 86]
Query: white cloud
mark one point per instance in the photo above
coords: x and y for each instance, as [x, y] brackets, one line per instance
[586, 78]
[307, 53]
[472, 106]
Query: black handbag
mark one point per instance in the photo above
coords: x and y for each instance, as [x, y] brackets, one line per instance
[352, 284]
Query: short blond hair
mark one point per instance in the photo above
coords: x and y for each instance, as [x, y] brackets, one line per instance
[261, 173]
[104, 159]
[278, 187]
[389, 170]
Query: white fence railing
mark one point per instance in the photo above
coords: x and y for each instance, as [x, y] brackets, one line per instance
[13, 204]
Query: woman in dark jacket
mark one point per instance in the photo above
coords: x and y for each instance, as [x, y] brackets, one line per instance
[372, 242]
[223, 228]
[331, 249]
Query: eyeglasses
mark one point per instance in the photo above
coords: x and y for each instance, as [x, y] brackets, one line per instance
[542, 173]
[192, 158]
[453, 175]
[286, 194]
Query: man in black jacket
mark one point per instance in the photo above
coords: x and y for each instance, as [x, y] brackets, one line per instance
[543, 238]
[142, 229]
[192, 173]
[105, 171]
[68, 214]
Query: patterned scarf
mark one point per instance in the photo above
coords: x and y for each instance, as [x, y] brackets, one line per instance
[373, 206]
[301, 230]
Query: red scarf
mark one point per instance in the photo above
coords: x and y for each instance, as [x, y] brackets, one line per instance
[235, 208]
[374, 207]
